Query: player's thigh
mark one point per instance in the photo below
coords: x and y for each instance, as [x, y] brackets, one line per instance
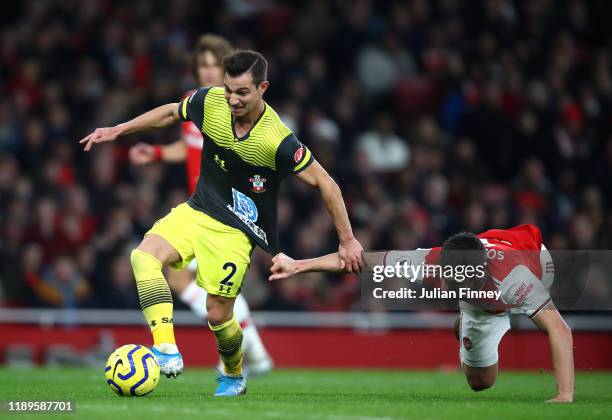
[177, 228]
[223, 254]
[480, 335]
[160, 249]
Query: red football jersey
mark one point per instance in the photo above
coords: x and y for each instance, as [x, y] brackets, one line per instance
[517, 275]
[192, 136]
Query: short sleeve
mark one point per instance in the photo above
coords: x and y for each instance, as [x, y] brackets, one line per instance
[523, 292]
[292, 156]
[192, 107]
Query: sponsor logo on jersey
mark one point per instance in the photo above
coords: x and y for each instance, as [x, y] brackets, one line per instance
[258, 185]
[521, 293]
[297, 156]
[246, 210]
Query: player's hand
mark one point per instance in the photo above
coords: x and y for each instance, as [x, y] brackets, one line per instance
[142, 153]
[283, 267]
[561, 399]
[350, 253]
[100, 135]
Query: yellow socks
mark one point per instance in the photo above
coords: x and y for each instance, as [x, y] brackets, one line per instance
[154, 294]
[229, 344]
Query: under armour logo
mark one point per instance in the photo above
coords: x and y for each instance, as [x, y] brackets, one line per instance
[220, 162]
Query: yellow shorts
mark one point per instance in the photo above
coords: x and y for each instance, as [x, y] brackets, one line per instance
[223, 252]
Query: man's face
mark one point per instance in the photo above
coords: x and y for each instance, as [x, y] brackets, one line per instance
[209, 70]
[241, 94]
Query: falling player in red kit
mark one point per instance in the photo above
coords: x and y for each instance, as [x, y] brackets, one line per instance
[516, 269]
[208, 70]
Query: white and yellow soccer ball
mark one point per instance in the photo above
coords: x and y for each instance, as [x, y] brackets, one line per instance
[132, 370]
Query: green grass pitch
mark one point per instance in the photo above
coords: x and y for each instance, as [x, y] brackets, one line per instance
[314, 394]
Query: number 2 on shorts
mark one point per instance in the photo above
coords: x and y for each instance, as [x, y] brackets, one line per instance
[226, 281]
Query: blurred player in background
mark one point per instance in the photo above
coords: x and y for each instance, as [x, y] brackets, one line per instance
[247, 152]
[516, 264]
[208, 71]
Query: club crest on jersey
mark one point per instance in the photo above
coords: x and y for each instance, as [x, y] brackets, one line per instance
[467, 343]
[297, 156]
[258, 185]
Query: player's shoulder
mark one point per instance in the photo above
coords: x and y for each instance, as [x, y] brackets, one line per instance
[524, 236]
[215, 91]
[505, 263]
[216, 110]
[215, 95]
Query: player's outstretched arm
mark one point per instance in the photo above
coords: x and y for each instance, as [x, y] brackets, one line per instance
[350, 249]
[284, 266]
[159, 117]
[144, 153]
[561, 348]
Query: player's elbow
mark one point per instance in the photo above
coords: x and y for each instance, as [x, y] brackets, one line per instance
[171, 118]
[565, 332]
[170, 114]
[560, 329]
[327, 182]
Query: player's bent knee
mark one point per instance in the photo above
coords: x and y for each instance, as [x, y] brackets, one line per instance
[482, 378]
[218, 317]
[479, 385]
[143, 260]
[480, 382]
[219, 314]
[220, 309]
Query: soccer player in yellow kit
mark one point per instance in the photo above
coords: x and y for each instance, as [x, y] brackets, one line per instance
[208, 71]
[247, 152]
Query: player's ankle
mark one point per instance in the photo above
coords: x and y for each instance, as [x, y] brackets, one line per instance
[233, 375]
[168, 348]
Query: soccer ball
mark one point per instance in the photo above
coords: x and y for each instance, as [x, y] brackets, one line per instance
[132, 370]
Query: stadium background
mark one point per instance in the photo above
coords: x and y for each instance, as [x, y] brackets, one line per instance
[432, 116]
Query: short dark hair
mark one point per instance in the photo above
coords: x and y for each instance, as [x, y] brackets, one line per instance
[465, 249]
[248, 61]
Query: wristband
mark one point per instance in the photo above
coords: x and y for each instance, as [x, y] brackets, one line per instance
[157, 153]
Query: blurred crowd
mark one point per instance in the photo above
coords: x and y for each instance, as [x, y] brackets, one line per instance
[433, 117]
